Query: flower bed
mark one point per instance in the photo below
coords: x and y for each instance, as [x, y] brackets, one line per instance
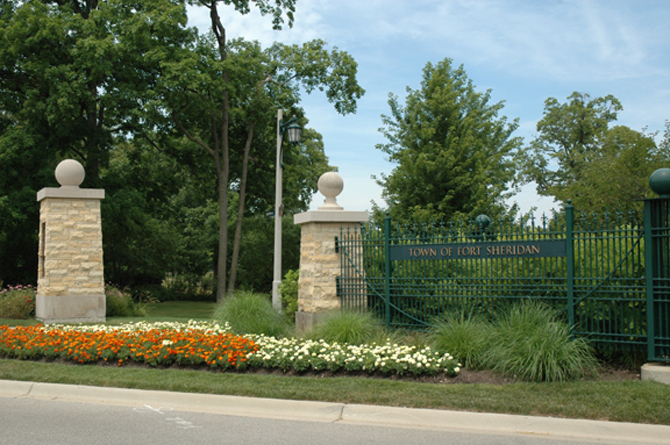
[300, 355]
[208, 344]
[144, 344]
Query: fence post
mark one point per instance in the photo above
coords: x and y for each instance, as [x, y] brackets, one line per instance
[319, 262]
[387, 267]
[570, 259]
[649, 278]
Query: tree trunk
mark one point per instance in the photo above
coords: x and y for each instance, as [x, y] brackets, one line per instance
[223, 233]
[222, 148]
[240, 211]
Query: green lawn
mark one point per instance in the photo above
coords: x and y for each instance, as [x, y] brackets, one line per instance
[166, 311]
[629, 401]
[196, 310]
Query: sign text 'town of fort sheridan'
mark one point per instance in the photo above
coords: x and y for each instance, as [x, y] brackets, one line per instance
[532, 249]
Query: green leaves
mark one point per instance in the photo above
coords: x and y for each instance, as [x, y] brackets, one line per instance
[577, 156]
[453, 152]
[568, 136]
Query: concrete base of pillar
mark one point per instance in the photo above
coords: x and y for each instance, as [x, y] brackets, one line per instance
[305, 321]
[657, 372]
[70, 308]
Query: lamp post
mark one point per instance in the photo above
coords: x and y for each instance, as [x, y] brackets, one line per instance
[294, 132]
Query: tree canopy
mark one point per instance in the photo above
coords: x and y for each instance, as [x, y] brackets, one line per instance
[568, 139]
[108, 81]
[577, 156]
[452, 150]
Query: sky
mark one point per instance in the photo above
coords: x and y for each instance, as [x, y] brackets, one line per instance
[523, 51]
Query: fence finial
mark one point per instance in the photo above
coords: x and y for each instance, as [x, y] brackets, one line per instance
[659, 181]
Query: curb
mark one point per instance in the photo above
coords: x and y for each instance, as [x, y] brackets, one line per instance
[411, 418]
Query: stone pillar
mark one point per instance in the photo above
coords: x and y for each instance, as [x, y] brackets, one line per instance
[70, 280]
[319, 263]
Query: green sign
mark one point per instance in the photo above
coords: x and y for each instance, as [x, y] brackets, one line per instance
[521, 249]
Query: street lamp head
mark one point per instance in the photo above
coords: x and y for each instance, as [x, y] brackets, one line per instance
[294, 131]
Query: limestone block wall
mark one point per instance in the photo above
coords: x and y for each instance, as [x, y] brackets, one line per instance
[319, 268]
[319, 263]
[70, 248]
[70, 275]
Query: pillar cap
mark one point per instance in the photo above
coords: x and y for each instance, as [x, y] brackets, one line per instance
[334, 216]
[330, 185]
[70, 173]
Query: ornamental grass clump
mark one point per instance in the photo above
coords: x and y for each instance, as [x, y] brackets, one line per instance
[251, 313]
[464, 337]
[17, 302]
[354, 328]
[531, 343]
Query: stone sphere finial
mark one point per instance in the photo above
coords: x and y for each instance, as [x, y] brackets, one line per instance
[330, 185]
[70, 173]
[659, 181]
[483, 221]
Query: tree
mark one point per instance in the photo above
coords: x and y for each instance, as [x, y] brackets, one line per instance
[568, 139]
[72, 75]
[618, 178]
[73, 72]
[453, 152]
[80, 77]
[157, 216]
[577, 156]
[200, 97]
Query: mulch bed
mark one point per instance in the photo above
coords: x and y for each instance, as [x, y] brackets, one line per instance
[465, 376]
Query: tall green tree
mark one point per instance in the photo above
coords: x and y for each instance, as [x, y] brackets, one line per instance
[73, 74]
[569, 136]
[204, 96]
[577, 156]
[617, 177]
[452, 150]
[157, 216]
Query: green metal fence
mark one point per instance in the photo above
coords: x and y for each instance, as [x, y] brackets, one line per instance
[591, 268]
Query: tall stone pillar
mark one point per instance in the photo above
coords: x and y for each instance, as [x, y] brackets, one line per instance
[70, 280]
[319, 263]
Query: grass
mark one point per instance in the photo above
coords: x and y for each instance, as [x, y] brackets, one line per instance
[631, 401]
[195, 310]
[531, 343]
[466, 338]
[165, 311]
[251, 313]
[627, 401]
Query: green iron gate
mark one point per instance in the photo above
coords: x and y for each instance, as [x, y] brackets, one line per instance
[591, 268]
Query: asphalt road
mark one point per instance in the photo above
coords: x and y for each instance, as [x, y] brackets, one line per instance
[62, 414]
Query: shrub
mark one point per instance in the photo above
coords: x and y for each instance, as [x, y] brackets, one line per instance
[251, 313]
[289, 293]
[186, 287]
[17, 302]
[354, 328]
[121, 304]
[464, 337]
[531, 343]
